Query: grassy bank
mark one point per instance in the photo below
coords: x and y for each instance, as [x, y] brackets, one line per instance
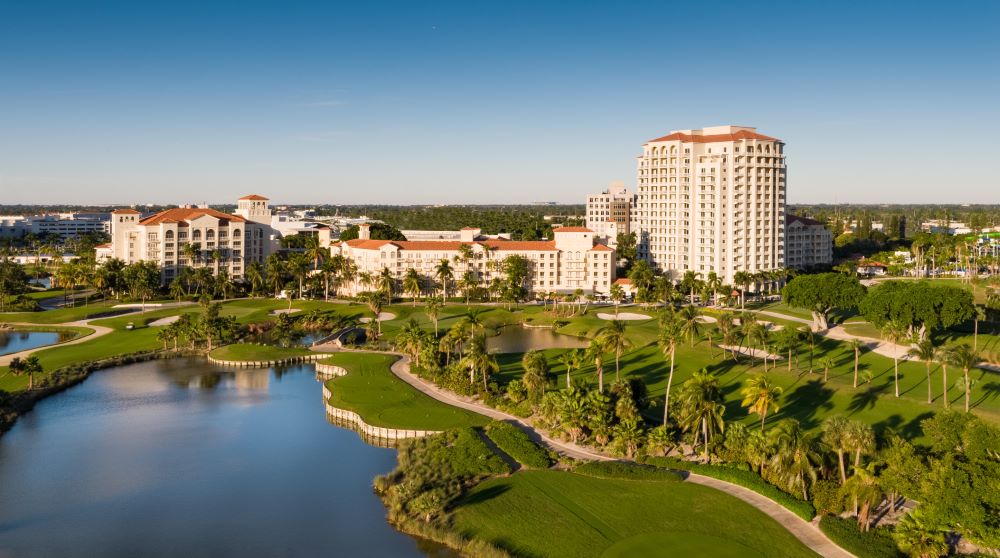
[252, 352]
[555, 513]
[371, 390]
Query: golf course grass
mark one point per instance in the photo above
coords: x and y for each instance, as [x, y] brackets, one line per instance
[372, 391]
[556, 513]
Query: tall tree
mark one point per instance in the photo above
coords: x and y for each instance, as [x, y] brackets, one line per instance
[671, 333]
[702, 408]
[615, 337]
[822, 293]
[927, 352]
[761, 395]
[966, 358]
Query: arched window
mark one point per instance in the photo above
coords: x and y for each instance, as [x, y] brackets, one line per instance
[209, 234]
[236, 233]
[169, 235]
[196, 235]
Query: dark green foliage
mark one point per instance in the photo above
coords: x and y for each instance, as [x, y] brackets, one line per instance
[744, 478]
[627, 470]
[917, 304]
[823, 292]
[379, 231]
[13, 280]
[876, 543]
[516, 443]
[828, 497]
[435, 470]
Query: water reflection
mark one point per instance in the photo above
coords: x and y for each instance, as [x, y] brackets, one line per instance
[14, 341]
[517, 339]
[180, 457]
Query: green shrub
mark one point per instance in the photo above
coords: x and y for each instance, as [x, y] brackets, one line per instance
[626, 470]
[876, 543]
[828, 497]
[746, 479]
[516, 443]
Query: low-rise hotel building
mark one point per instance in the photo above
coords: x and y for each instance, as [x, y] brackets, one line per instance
[193, 237]
[571, 261]
[808, 243]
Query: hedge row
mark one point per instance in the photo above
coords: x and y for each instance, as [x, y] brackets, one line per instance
[876, 543]
[746, 479]
[627, 470]
[516, 443]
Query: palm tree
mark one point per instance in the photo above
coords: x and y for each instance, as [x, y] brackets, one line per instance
[255, 275]
[760, 395]
[862, 439]
[759, 336]
[411, 284]
[536, 368]
[468, 283]
[315, 251]
[30, 366]
[596, 351]
[827, 363]
[927, 352]
[671, 334]
[374, 301]
[617, 294]
[979, 315]
[432, 308]
[893, 333]
[702, 407]
[856, 345]
[298, 267]
[919, 537]
[795, 456]
[386, 283]
[743, 279]
[690, 319]
[713, 284]
[965, 357]
[837, 436]
[864, 490]
[275, 270]
[478, 360]
[444, 274]
[571, 360]
[615, 338]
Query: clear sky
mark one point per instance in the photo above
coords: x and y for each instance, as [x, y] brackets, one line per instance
[485, 102]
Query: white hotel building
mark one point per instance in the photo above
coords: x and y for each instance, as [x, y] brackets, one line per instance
[240, 239]
[569, 262]
[711, 200]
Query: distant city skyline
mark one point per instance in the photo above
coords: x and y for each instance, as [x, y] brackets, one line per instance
[451, 103]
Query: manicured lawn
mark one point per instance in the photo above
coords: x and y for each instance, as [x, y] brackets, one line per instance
[250, 351]
[862, 329]
[374, 392]
[556, 513]
[59, 315]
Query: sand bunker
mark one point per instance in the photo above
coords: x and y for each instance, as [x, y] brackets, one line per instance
[285, 311]
[382, 317]
[623, 316]
[164, 321]
[707, 319]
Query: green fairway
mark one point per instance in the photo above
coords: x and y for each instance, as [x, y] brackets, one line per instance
[381, 399]
[253, 352]
[556, 513]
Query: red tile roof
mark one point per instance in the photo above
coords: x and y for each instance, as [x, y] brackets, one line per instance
[254, 197]
[740, 135]
[789, 218]
[622, 281]
[130, 211]
[448, 245]
[179, 214]
[107, 245]
[601, 248]
[572, 229]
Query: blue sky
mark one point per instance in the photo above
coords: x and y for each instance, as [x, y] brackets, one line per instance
[485, 102]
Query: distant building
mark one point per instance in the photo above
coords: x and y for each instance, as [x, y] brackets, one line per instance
[64, 225]
[573, 260]
[711, 200]
[237, 239]
[610, 213]
[945, 226]
[467, 234]
[808, 243]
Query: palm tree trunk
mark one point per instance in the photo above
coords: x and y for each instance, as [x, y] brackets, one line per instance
[704, 431]
[968, 390]
[895, 364]
[944, 381]
[929, 396]
[670, 380]
[843, 467]
[856, 368]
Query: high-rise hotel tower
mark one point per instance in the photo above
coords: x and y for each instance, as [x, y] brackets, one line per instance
[711, 200]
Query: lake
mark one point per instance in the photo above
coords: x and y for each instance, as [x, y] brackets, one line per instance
[13, 341]
[183, 458]
[518, 339]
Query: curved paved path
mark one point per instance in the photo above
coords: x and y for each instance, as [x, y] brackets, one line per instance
[807, 532]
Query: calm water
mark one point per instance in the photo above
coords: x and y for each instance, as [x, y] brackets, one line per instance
[517, 339]
[16, 341]
[181, 458]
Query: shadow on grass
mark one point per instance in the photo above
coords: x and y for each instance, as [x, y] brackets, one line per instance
[806, 401]
[484, 495]
[866, 399]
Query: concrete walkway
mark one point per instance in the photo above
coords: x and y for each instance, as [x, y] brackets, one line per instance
[807, 532]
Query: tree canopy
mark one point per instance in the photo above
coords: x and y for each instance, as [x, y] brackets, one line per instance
[917, 304]
[822, 293]
[379, 231]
